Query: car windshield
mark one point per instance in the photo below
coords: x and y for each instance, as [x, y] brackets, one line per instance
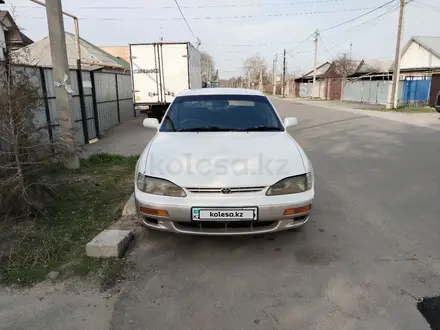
[221, 113]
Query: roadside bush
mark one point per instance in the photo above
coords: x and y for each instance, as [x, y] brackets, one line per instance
[25, 152]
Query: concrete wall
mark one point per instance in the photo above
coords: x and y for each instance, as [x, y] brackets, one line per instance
[417, 56]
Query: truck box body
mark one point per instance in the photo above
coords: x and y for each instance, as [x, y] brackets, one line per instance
[161, 70]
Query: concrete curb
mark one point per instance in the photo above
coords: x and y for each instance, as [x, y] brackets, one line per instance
[130, 207]
[112, 242]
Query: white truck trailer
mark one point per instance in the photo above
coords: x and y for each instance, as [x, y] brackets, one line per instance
[159, 71]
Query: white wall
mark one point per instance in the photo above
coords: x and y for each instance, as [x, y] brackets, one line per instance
[2, 42]
[418, 57]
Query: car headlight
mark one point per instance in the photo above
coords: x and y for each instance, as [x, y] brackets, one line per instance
[158, 186]
[292, 185]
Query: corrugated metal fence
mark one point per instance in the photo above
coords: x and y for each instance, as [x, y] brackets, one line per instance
[104, 101]
[368, 91]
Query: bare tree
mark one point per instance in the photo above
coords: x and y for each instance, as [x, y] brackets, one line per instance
[25, 149]
[253, 67]
[207, 65]
[236, 82]
[342, 67]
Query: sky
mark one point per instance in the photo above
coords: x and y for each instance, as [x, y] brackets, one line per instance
[233, 30]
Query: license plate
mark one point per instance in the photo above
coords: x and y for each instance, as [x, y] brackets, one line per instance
[225, 214]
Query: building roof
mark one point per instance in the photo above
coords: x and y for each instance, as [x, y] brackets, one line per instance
[25, 39]
[375, 66]
[220, 91]
[93, 57]
[121, 52]
[432, 44]
[17, 37]
[320, 70]
[343, 69]
[4, 14]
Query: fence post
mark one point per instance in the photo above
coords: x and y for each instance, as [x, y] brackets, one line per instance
[83, 107]
[46, 104]
[117, 98]
[95, 105]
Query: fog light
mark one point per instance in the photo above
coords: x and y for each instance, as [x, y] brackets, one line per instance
[298, 210]
[159, 213]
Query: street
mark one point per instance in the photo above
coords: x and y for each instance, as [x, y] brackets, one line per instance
[370, 251]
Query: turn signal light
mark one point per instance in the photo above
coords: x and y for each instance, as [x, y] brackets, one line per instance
[159, 213]
[298, 210]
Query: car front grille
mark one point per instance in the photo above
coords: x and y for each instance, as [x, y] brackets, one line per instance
[225, 224]
[236, 190]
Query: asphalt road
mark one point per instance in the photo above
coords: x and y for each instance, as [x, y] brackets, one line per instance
[370, 251]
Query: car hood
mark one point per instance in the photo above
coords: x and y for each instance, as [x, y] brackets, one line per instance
[223, 159]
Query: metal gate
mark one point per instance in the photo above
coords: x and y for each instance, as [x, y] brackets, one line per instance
[416, 91]
[333, 88]
[435, 89]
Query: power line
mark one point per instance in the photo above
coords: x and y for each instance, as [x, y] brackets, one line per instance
[325, 46]
[300, 44]
[252, 45]
[213, 17]
[201, 6]
[371, 20]
[360, 16]
[359, 29]
[425, 5]
[186, 22]
[346, 22]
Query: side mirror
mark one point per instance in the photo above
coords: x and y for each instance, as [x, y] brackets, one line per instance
[151, 123]
[290, 121]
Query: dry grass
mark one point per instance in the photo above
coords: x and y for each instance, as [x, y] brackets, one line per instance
[88, 200]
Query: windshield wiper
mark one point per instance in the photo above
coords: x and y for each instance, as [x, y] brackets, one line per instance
[262, 128]
[206, 129]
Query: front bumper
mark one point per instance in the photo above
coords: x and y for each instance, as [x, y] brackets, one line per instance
[270, 213]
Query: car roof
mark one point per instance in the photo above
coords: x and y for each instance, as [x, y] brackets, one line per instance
[220, 91]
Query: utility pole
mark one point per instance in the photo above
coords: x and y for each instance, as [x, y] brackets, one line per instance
[396, 70]
[249, 78]
[261, 78]
[284, 72]
[61, 79]
[351, 50]
[315, 63]
[274, 83]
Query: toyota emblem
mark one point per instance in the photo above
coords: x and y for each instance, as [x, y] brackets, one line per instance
[226, 191]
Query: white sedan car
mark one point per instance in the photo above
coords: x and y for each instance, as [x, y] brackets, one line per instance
[222, 163]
